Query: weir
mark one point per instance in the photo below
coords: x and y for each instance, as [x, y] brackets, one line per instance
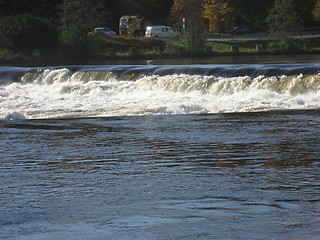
[14, 74]
[130, 90]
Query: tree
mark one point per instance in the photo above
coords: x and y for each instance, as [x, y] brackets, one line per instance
[44, 9]
[160, 16]
[216, 11]
[79, 18]
[283, 19]
[305, 12]
[316, 11]
[26, 32]
[251, 13]
[190, 13]
[86, 14]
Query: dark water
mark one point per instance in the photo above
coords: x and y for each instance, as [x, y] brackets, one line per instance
[190, 176]
[160, 152]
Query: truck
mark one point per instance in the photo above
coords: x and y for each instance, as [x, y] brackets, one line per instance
[161, 32]
[131, 26]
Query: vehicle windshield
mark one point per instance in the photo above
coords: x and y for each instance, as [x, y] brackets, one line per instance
[102, 29]
[123, 21]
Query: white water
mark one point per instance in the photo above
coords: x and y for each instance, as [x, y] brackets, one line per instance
[60, 93]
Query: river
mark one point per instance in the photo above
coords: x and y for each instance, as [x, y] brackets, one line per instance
[191, 151]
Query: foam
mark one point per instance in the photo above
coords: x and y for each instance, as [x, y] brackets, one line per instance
[59, 93]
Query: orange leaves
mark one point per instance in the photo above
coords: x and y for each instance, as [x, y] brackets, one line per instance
[216, 11]
[316, 11]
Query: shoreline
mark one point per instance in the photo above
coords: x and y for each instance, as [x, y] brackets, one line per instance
[119, 50]
[170, 59]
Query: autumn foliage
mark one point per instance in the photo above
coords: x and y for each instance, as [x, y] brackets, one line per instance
[316, 11]
[216, 11]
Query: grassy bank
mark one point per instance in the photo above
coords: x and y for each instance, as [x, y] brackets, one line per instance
[95, 51]
[293, 46]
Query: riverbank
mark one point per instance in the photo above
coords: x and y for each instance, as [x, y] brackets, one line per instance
[128, 50]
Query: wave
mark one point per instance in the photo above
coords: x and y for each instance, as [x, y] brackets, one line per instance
[90, 91]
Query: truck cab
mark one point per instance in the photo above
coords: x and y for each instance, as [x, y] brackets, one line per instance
[131, 26]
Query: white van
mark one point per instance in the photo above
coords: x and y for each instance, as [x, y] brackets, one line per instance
[161, 32]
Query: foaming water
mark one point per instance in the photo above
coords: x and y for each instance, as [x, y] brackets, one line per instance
[101, 91]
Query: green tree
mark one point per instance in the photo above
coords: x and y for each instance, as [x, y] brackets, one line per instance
[304, 11]
[156, 11]
[44, 9]
[25, 32]
[85, 13]
[283, 19]
[252, 13]
[79, 17]
[192, 13]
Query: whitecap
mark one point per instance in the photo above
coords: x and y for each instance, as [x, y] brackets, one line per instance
[15, 116]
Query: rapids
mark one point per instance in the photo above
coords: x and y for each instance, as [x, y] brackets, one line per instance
[130, 90]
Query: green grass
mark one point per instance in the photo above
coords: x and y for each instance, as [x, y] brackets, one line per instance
[249, 46]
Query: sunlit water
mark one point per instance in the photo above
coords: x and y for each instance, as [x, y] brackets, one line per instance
[144, 153]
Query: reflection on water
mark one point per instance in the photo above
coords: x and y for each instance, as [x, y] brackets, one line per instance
[227, 176]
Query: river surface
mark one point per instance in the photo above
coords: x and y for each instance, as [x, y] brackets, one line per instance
[123, 152]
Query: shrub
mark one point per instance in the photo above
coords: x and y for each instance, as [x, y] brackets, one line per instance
[192, 33]
[76, 45]
[283, 18]
[193, 41]
[27, 32]
[174, 47]
[284, 46]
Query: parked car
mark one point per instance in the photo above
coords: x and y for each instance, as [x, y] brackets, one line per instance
[238, 30]
[103, 31]
[161, 32]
